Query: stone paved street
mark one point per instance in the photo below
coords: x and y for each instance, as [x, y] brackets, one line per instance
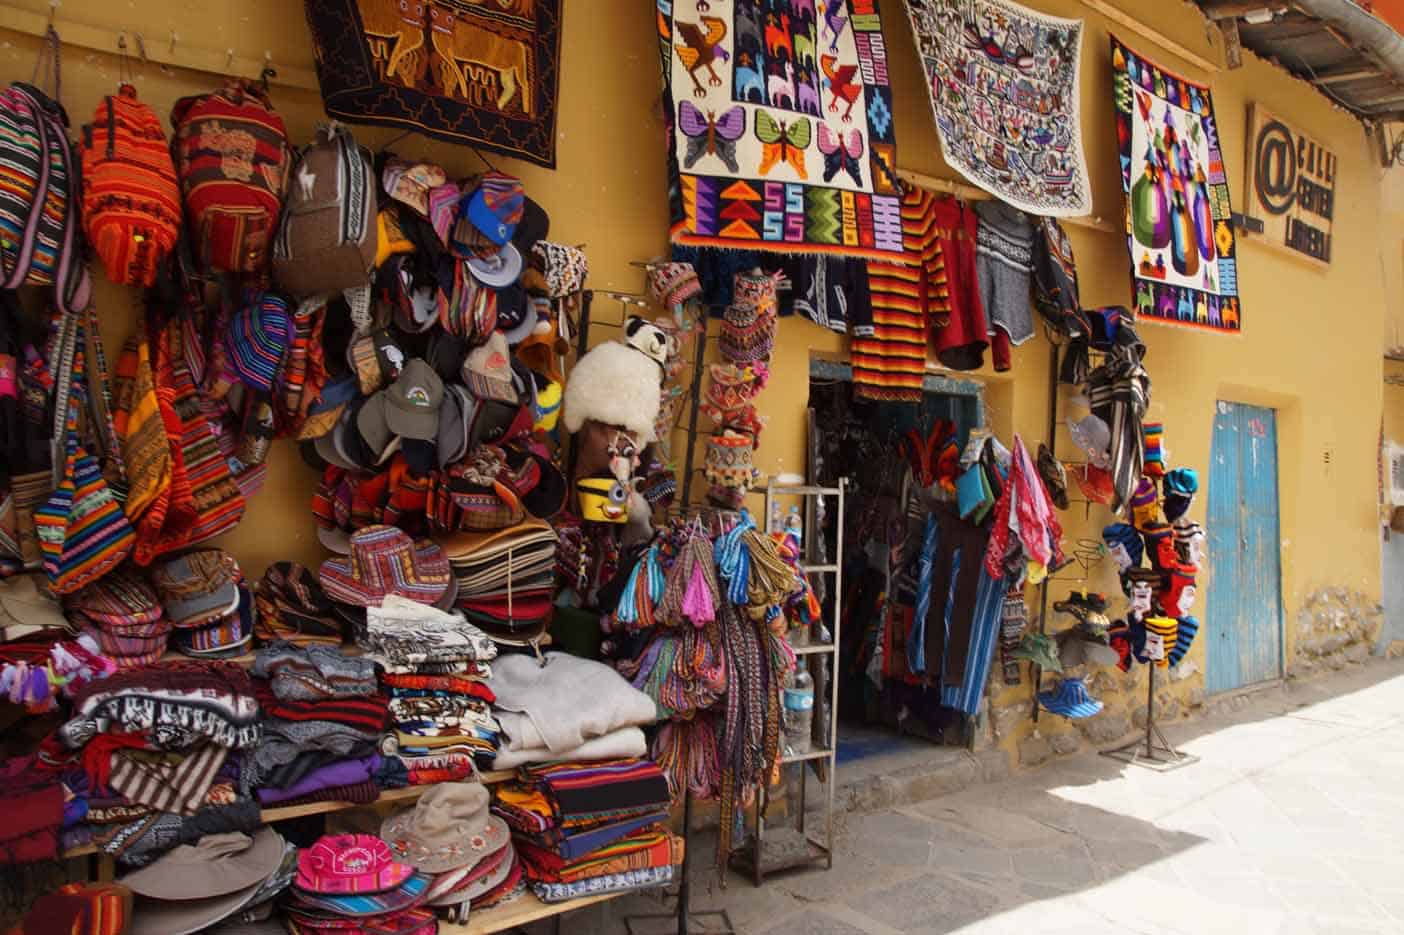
[1290, 822]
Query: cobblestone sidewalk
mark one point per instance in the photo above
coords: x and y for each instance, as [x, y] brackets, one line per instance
[1290, 822]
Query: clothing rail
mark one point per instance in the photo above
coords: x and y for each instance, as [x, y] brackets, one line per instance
[165, 49]
[971, 193]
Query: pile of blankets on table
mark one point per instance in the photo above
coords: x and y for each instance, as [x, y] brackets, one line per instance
[592, 827]
[323, 717]
[435, 669]
[151, 758]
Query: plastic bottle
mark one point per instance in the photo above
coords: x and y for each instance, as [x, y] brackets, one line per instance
[799, 711]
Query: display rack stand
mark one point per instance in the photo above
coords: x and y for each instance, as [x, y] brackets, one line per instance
[684, 913]
[825, 752]
[1153, 751]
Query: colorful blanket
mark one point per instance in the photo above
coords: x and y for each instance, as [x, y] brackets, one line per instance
[1178, 221]
[780, 126]
[484, 74]
[1004, 88]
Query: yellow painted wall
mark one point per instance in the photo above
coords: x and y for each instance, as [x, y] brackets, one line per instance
[1308, 347]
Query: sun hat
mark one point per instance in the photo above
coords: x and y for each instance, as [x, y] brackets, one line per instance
[410, 182]
[197, 587]
[1070, 699]
[385, 560]
[258, 337]
[214, 865]
[293, 607]
[414, 400]
[449, 828]
[1093, 436]
[121, 596]
[342, 864]
[1082, 645]
[80, 909]
[466, 884]
[331, 447]
[1094, 482]
[373, 425]
[487, 371]
[495, 207]
[26, 608]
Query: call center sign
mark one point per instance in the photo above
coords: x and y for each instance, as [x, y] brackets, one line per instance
[1292, 181]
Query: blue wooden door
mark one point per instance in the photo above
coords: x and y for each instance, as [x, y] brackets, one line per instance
[1244, 616]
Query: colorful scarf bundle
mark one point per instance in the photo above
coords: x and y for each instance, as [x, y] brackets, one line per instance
[691, 591]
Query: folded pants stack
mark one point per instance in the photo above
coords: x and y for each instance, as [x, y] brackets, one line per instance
[591, 827]
[436, 666]
[323, 716]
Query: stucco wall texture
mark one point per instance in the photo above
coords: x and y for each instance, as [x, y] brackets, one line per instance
[1309, 346]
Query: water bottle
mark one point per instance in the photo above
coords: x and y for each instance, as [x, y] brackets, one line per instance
[799, 710]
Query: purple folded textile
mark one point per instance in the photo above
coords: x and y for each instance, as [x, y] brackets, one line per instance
[340, 773]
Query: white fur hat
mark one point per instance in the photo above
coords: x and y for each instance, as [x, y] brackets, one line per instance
[616, 385]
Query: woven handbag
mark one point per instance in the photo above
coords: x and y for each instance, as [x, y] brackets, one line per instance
[83, 533]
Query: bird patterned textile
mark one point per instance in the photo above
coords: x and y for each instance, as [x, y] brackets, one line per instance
[1003, 82]
[484, 74]
[780, 124]
[1184, 260]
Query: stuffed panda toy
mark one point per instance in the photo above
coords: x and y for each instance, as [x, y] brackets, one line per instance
[648, 339]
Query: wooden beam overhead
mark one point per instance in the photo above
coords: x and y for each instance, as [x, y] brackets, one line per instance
[1236, 8]
[1126, 20]
[1353, 74]
[1233, 48]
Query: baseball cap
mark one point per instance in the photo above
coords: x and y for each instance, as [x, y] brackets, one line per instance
[414, 400]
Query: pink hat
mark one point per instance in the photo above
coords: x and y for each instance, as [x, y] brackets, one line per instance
[384, 560]
[349, 863]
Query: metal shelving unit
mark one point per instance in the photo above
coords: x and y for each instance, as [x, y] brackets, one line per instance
[810, 849]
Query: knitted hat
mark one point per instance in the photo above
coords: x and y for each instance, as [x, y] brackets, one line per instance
[1160, 546]
[384, 560]
[410, 182]
[1153, 433]
[563, 267]
[728, 462]
[1144, 511]
[1189, 543]
[1124, 544]
[120, 597]
[257, 340]
[672, 284]
[1182, 481]
[1184, 638]
[1162, 631]
[1179, 594]
[1070, 699]
[1054, 476]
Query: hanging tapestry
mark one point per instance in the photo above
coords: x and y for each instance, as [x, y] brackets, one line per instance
[1184, 260]
[479, 72]
[780, 126]
[1004, 88]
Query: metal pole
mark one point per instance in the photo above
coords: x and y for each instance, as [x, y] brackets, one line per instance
[1150, 708]
[685, 885]
[698, 365]
[1035, 671]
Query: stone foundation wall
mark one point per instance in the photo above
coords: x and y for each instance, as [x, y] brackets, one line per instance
[1333, 628]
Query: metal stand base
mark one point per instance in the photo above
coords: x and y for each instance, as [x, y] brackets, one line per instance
[725, 927]
[684, 914]
[1153, 751]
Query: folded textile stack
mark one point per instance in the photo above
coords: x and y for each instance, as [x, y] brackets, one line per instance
[506, 578]
[591, 827]
[323, 715]
[207, 602]
[124, 615]
[221, 876]
[451, 834]
[149, 755]
[566, 708]
[435, 666]
[351, 883]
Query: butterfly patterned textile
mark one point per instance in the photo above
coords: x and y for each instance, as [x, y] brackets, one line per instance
[753, 89]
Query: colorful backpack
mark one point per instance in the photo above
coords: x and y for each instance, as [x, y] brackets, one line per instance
[231, 157]
[38, 210]
[131, 202]
[327, 240]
